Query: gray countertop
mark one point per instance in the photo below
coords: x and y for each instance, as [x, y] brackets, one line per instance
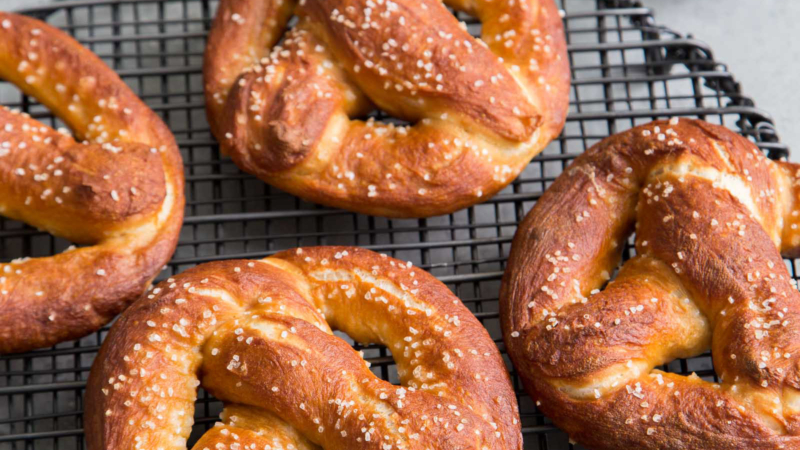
[758, 40]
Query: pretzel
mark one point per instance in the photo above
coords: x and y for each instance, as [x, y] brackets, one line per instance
[710, 214]
[482, 108]
[260, 334]
[121, 190]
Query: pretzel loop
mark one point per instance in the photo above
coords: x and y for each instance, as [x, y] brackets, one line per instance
[260, 335]
[710, 214]
[121, 190]
[482, 109]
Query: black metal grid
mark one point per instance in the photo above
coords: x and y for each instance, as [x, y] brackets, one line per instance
[626, 71]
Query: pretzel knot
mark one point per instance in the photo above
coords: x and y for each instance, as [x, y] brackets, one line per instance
[710, 214]
[482, 108]
[260, 334]
[121, 190]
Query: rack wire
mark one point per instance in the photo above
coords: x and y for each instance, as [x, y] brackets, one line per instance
[626, 71]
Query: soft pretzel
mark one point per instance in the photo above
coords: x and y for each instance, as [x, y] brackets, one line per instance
[258, 334]
[711, 214]
[482, 108]
[122, 190]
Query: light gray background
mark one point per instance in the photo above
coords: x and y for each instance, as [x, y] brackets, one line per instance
[759, 40]
[760, 43]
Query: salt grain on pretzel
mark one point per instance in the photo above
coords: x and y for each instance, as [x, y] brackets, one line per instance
[711, 216]
[258, 335]
[482, 108]
[121, 189]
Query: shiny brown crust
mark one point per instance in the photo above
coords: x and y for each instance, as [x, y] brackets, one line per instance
[258, 335]
[710, 214]
[482, 108]
[121, 189]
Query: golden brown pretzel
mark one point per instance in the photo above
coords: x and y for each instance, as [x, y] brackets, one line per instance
[482, 109]
[122, 191]
[259, 332]
[710, 214]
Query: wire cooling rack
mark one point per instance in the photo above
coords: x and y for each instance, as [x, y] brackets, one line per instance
[626, 71]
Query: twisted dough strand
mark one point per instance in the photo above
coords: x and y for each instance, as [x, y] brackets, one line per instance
[710, 214]
[122, 190]
[259, 334]
[482, 109]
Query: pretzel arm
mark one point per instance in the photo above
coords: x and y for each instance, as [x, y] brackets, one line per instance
[80, 192]
[77, 86]
[252, 27]
[642, 319]
[476, 89]
[526, 36]
[146, 373]
[662, 410]
[255, 426]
